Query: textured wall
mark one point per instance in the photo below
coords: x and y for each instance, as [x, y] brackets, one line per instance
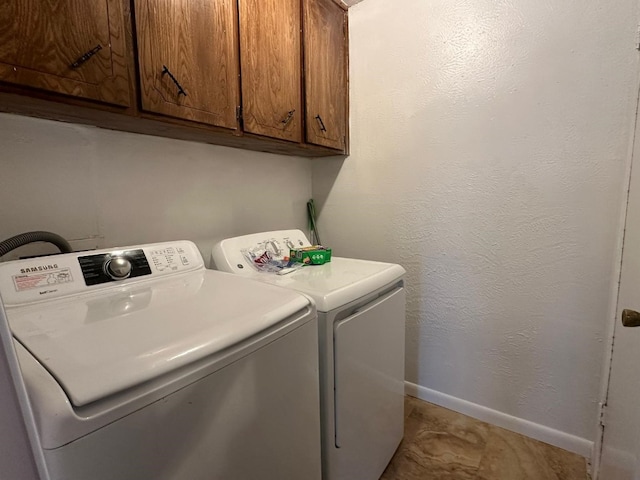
[120, 189]
[488, 147]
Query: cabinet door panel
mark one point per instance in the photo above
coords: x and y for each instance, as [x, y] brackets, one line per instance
[196, 40]
[41, 40]
[325, 73]
[270, 64]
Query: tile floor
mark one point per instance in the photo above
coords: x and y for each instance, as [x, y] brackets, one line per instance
[441, 444]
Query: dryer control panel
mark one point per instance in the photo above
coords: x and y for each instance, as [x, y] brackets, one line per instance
[41, 278]
[228, 257]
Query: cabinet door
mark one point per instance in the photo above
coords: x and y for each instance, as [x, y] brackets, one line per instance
[270, 63]
[74, 47]
[188, 60]
[325, 62]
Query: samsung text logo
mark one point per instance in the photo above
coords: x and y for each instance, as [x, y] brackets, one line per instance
[39, 268]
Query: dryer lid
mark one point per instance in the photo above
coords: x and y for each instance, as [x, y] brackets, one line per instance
[338, 282]
[331, 285]
[99, 344]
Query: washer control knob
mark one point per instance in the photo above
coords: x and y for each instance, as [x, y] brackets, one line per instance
[118, 268]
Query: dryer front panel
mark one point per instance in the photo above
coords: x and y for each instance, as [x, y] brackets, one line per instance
[369, 387]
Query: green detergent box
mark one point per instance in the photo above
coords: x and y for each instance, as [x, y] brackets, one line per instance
[313, 255]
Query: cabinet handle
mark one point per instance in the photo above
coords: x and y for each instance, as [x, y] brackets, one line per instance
[86, 56]
[322, 127]
[289, 116]
[630, 318]
[180, 89]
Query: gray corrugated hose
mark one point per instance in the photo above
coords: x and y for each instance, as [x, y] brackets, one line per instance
[31, 237]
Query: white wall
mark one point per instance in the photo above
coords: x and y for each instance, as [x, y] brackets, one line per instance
[115, 189]
[489, 140]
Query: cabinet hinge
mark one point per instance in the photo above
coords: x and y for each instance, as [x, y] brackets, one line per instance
[603, 413]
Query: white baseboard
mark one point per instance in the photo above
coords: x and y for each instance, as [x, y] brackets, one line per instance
[563, 440]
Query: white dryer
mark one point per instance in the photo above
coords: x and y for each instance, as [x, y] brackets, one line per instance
[141, 364]
[361, 321]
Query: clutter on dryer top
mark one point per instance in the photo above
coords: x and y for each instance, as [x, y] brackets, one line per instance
[270, 256]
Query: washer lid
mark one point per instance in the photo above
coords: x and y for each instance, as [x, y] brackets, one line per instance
[338, 282]
[99, 344]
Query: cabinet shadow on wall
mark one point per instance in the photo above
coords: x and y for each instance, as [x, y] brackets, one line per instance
[325, 173]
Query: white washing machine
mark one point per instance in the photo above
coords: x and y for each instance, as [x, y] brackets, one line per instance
[141, 364]
[361, 321]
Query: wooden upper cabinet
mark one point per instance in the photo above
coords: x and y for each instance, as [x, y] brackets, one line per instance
[325, 68]
[73, 47]
[270, 56]
[188, 59]
[267, 75]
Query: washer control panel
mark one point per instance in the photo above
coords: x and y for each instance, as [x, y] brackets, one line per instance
[113, 266]
[170, 258]
[42, 278]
